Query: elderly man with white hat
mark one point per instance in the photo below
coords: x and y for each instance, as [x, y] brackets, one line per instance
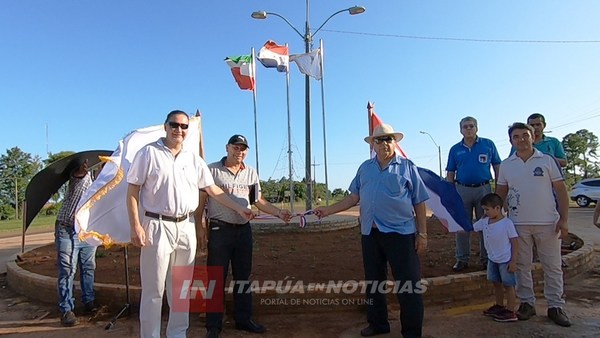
[393, 226]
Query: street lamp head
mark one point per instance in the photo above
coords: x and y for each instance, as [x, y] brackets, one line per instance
[307, 36]
[422, 132]
[356, 10]
[259, 15]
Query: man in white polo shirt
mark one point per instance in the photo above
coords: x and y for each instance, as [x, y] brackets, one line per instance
[526, 181]
[164, 182]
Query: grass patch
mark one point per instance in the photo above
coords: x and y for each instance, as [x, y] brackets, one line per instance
[41, 222]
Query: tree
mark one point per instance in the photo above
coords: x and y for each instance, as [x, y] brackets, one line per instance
[339, 192]
[16, 170]
[582, 159]
[55, 157]
[270, 190]
[319, 192]
[277, 191]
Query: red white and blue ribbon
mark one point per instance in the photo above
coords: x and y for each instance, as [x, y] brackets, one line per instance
[302, 215]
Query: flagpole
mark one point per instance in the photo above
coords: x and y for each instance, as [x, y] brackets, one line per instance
[370, 107]
[324, 129]
[255, 123]
[200, 138]
[24, 226]
[289, 127]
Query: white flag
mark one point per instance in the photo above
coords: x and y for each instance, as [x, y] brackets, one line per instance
[309, 63]
[101, 216]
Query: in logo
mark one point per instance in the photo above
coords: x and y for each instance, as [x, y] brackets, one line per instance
[197, 289]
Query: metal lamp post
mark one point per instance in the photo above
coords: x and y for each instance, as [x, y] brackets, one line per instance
[439, 150]
[308, 38]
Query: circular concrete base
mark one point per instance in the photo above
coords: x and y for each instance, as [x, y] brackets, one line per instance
[297, 296]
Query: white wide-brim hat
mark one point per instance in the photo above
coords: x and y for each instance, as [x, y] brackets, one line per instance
[384, 130]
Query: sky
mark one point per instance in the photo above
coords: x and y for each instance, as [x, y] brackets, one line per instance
[80, 75]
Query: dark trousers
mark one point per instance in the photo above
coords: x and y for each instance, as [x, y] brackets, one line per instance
[399, 250]
[231, 243]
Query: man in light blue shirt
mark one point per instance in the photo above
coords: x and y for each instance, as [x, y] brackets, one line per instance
[393, 228]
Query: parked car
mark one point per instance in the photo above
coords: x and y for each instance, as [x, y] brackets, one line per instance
[586, 191]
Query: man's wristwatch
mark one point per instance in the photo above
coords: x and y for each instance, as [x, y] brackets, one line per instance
[422, 235]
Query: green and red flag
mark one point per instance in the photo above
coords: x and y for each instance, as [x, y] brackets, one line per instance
[242, 68]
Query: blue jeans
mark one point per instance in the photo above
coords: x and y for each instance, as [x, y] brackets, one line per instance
[69, 252]
[498, 273]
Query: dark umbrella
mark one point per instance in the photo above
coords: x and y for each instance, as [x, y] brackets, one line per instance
[47, 182]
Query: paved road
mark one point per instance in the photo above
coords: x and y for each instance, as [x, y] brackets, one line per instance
[580, 223]
[11, 246]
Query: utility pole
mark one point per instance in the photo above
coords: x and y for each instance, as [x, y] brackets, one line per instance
[307, 37]
[47, 148]
[438, 148]
[16, 199]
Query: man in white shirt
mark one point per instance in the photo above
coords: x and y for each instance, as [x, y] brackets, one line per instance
[164, 181]
[526, 183]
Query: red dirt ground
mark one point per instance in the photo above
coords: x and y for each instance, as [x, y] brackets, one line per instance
[309, 256]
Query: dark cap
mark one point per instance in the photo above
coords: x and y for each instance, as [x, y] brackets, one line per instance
[238, 139]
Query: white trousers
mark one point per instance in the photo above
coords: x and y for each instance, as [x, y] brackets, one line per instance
[547, 242]
[168, 244]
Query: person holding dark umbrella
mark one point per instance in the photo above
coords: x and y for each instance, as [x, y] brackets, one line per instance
[71, 251]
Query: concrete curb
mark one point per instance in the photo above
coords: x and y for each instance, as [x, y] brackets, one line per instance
[454, 290]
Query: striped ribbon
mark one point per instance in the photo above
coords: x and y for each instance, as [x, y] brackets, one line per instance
[302, 215]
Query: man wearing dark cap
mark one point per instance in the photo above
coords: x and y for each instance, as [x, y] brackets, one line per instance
[230, 238]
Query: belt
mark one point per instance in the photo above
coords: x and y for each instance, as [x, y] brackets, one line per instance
[167, 218]
[218, 221]
[474, 185]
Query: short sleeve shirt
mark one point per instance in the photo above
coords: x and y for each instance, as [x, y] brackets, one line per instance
[237, 186]
[530, 198]
[169, 185]
[388, 195]
[549, 145]
[472, 165]
[497, 238]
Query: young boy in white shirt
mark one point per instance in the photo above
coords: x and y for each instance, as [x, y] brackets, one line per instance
[500, 239]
